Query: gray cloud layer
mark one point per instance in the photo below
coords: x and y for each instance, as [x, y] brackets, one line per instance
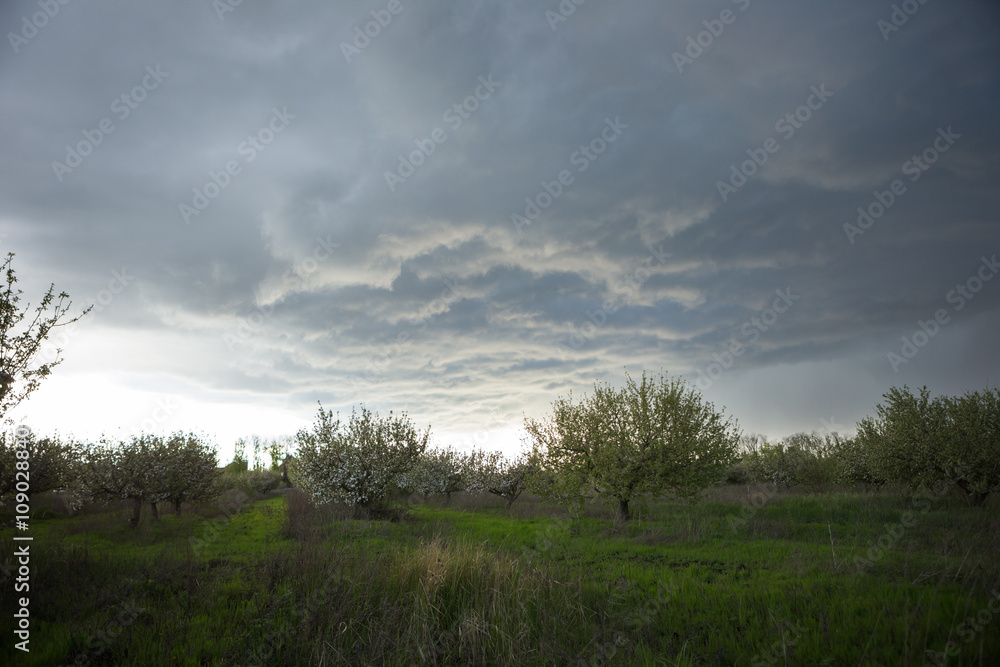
[307, 277]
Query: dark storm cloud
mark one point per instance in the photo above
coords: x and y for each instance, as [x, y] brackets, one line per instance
[301, 270]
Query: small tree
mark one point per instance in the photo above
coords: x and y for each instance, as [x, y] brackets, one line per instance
[647, 438]
[360, 463]
[921, 441]
[819, 465]
[806, 459]
[437, 471]
[19, 375]
[279, 450]
[52, 465]
[239, 463]
[561, 468]
[190, 468]
[127, 471]
[855, 463]
[492, 472]
[251, 482]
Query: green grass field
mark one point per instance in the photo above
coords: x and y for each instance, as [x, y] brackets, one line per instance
[720, 582]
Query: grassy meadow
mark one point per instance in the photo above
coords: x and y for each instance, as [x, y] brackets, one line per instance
[747, 576]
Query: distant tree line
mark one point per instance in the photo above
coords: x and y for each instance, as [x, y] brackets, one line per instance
[913, 440]
[651, 437]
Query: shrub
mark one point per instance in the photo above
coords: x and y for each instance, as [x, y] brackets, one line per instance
[648, 438]
[52, 462]
[361, 463]
[189, 469]
[436, 471]
[250, 482]
[737, 474]
[491, 472]
[126, 471]
[801, 459]
[148, 468]
[855, 463]
[923, 442]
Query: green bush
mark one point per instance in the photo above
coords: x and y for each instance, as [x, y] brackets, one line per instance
[737, 474]
[651, 437]
[250, 482]
[802, 459]
[926, 443]
[855, 463]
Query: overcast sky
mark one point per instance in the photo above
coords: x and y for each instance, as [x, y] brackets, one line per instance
[477, 207]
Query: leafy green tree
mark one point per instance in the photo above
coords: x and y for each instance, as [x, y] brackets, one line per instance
[189, 469]
[437, 471]
[492, 472]
[801, 459]
[19, 344]
[649, 437]
[250, 482]
[129, 471]
[53, 463]
[560, 458]
[855, 463]
[819, 466]
[921, 441]
[361, 462]
[279, 449]
[240, 463]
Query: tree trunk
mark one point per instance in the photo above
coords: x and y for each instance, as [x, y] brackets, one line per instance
[177, 507]
[136, 511]
[156, 514]
[447, 497]
[975, 499]
[284, 471]
[623, 511]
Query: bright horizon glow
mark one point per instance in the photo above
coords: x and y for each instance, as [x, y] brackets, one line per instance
[90, 406]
